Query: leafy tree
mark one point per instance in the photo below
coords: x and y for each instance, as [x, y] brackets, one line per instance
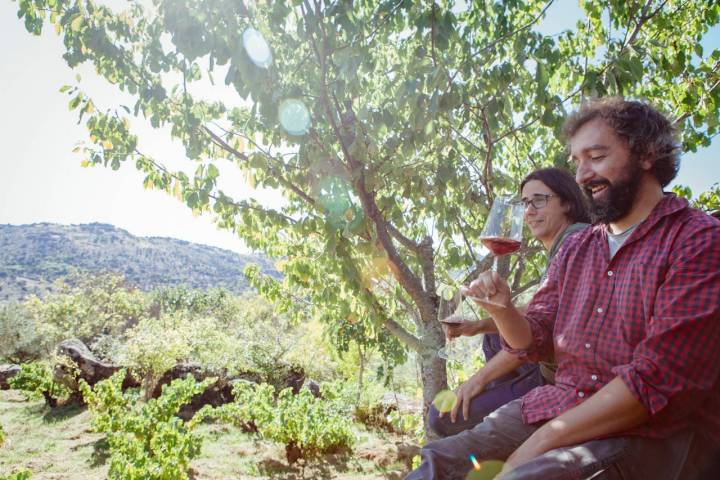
[389, 126]
[22, 338]
[95, 308]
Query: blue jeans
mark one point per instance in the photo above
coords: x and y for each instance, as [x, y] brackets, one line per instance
[495, 395]
[685, 456]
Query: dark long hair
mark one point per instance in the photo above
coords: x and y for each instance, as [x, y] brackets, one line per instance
[564, 186]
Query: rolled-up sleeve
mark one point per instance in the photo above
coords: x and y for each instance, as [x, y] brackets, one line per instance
[677, 363]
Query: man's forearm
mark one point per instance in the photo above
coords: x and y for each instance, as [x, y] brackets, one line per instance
[513, 327]
[612, 409]
[501, 364]
[485, 325]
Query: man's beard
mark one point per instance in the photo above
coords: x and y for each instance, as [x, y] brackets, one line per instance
[620, 196]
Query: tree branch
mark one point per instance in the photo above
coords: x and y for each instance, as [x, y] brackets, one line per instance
[224, 199]
[406, 277]
[217, 140]
[517, 30]
[405, 241]
[488, 156]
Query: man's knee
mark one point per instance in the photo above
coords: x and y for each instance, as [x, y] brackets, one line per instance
[436, 423]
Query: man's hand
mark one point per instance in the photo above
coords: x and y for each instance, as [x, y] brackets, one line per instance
[491, 286]
[466, 392]
[455, 326]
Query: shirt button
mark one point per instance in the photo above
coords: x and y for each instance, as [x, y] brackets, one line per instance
[610, 274]
[587, 345]
[594, 378]
[581, 394]
[599, 310]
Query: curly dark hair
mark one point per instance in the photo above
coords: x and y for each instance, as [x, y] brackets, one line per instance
[648, 132]
[564, 186]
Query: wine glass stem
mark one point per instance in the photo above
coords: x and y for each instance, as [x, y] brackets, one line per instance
[495, 263]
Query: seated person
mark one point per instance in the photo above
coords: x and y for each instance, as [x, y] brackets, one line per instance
[629, 307]
[554, 209]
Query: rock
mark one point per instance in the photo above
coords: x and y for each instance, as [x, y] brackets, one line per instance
[293, 452]
[216, 394]
[314, 387]
[384, 454]
[6, 373]
[392, 401]
[85, 365]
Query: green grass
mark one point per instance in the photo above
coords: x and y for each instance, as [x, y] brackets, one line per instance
[58, 445]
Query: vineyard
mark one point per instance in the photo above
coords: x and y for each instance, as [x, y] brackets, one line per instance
[193, 384]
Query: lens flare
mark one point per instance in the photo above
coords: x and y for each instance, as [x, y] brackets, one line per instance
[257, 48]
[445, 400]
[486, 470]
[294, 116]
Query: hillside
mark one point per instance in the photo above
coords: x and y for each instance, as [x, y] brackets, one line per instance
[33, 256]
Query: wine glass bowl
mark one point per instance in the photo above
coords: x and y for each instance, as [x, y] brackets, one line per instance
[503, 229]
[502, 234]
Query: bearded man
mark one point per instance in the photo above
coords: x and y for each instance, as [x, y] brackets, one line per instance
[631, 309]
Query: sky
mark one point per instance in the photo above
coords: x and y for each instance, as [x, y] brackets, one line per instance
[41, 180]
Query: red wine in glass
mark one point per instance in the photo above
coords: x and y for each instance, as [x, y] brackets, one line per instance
[500, 246]
[503, 230]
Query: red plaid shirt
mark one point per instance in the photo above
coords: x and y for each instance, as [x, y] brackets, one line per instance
[650, 315]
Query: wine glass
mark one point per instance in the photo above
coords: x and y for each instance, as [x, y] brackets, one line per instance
[502, 234]
[452, 352]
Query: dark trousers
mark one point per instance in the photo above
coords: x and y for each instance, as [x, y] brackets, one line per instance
[496, 394]
[685, 456]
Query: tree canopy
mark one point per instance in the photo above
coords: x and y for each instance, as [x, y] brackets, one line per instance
[388, 126]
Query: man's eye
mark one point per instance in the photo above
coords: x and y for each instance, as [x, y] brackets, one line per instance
[597, 157]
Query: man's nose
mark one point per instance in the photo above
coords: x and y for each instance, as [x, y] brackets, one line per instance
[583, 173]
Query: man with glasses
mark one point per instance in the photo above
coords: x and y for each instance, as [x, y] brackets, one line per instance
[554, 209]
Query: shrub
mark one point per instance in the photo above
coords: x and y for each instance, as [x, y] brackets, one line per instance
[36, 380]
[2, 436]
[87, 307]
[22, 474]
[407, 424]
[306, 425]
[147, 441]
[22, 338]
[217, 303]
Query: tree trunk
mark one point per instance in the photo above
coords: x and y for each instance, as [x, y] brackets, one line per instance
[432, 368]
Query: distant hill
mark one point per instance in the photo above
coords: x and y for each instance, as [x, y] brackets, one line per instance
[33, 256]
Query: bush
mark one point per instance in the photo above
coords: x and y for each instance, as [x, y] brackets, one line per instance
[22, 338]
[306, 425]
[217, 303]
[155, 345]
[2, 436]
[22, 474]
[36, 380]
[147, 440]
[96, 306]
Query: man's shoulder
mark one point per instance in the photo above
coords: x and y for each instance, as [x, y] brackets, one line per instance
[692, 221]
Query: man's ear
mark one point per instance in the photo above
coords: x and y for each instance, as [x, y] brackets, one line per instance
[647, 161]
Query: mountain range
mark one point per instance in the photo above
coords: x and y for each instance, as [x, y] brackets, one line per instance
[33, 256]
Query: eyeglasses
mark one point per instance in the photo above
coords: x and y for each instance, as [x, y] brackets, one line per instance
[538, 201]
